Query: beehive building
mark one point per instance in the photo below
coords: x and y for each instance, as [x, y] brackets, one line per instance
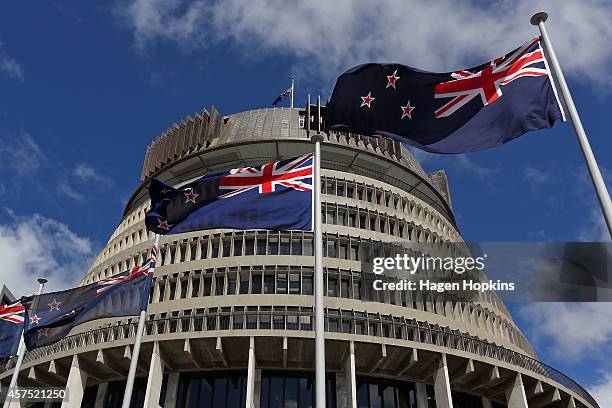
[230, 323]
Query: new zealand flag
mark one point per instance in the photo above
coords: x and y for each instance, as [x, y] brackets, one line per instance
[455, 112]
[11, 326]
[275, 196]
[50, 316]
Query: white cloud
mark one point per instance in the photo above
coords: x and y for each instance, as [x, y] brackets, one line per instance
[335, 35]
[602, 390]
[573, 329]
[36, 246]
[9, 66]
[64, 187]
[594, 228]
[21, 154]
[469, 165]
[536, 176]
[86, 173]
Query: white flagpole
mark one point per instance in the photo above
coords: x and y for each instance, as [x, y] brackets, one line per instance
[292, 90]
[129, 385]
[318, 270]
[22, 347]
[538, 19]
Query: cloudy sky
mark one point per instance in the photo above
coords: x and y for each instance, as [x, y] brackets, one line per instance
[84, 90]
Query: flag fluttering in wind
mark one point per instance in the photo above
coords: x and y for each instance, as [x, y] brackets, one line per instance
[283, 95]
[11, 327]
[455, 112]
[274, 196]
[50, 316]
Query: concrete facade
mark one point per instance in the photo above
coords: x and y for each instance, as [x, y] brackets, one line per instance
[242, 301]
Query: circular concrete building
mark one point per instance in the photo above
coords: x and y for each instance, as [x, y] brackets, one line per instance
[230, 321]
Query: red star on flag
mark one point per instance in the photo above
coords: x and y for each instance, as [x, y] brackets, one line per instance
[54, 305]
[407, 110]
[191, 197]
[367, 100]
[392, 79]
[43, 332]
[34, 319]
[163, 224]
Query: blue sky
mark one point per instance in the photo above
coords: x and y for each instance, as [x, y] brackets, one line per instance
[83, 90]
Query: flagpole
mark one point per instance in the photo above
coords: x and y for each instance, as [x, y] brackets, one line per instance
[129, 385]
[538, 19]
[22, 347]
[292, 90]
[318, 267]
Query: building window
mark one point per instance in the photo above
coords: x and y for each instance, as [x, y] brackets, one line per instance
[249, 246]
[294, 283]
[244, 282]
[281, 283]
[273, 246]
[296, 246]
[218, 390]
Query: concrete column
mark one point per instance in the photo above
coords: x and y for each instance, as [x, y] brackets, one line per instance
[341, 390]
[442, 384]
[75, 385]
[351, 380]
[154, 381]
[486, 403]
[515, 394]
[101, 395]
[257, 392]
[250, 391]
[421, 395]
[171, 390]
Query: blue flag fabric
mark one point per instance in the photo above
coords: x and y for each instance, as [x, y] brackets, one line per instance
[274, 196]
[282, 96]
[11, 327]
[456, 112]
[50, 316]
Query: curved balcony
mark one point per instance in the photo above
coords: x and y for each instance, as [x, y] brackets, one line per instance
[363, 329]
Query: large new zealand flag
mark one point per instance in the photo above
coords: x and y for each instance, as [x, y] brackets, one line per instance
[11, 326]
[275, 196]
[455, 112]
[51, 316]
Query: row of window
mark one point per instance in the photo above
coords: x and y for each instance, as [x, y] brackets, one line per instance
[355, 218]
[301, 318]
[278, 389]
[274, 243]
[379, 196]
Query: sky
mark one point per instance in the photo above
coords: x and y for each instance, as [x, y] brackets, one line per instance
[84, 87]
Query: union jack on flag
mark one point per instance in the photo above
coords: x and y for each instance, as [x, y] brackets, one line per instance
[147, 268]
[267, 178]
[487, 82]
[12, 318]
[12, 313]
[466, 110]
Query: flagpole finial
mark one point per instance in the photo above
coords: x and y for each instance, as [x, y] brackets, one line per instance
[42, 281]
[539, 17]
[317, 138]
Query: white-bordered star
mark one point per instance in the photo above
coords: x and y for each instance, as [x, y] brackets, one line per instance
[43, 332]
[54, 305]
[34, 319]
[191, 197]
[163, 224]
[367, 100]
[72, 313]
[392, 79]
[407, 110]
